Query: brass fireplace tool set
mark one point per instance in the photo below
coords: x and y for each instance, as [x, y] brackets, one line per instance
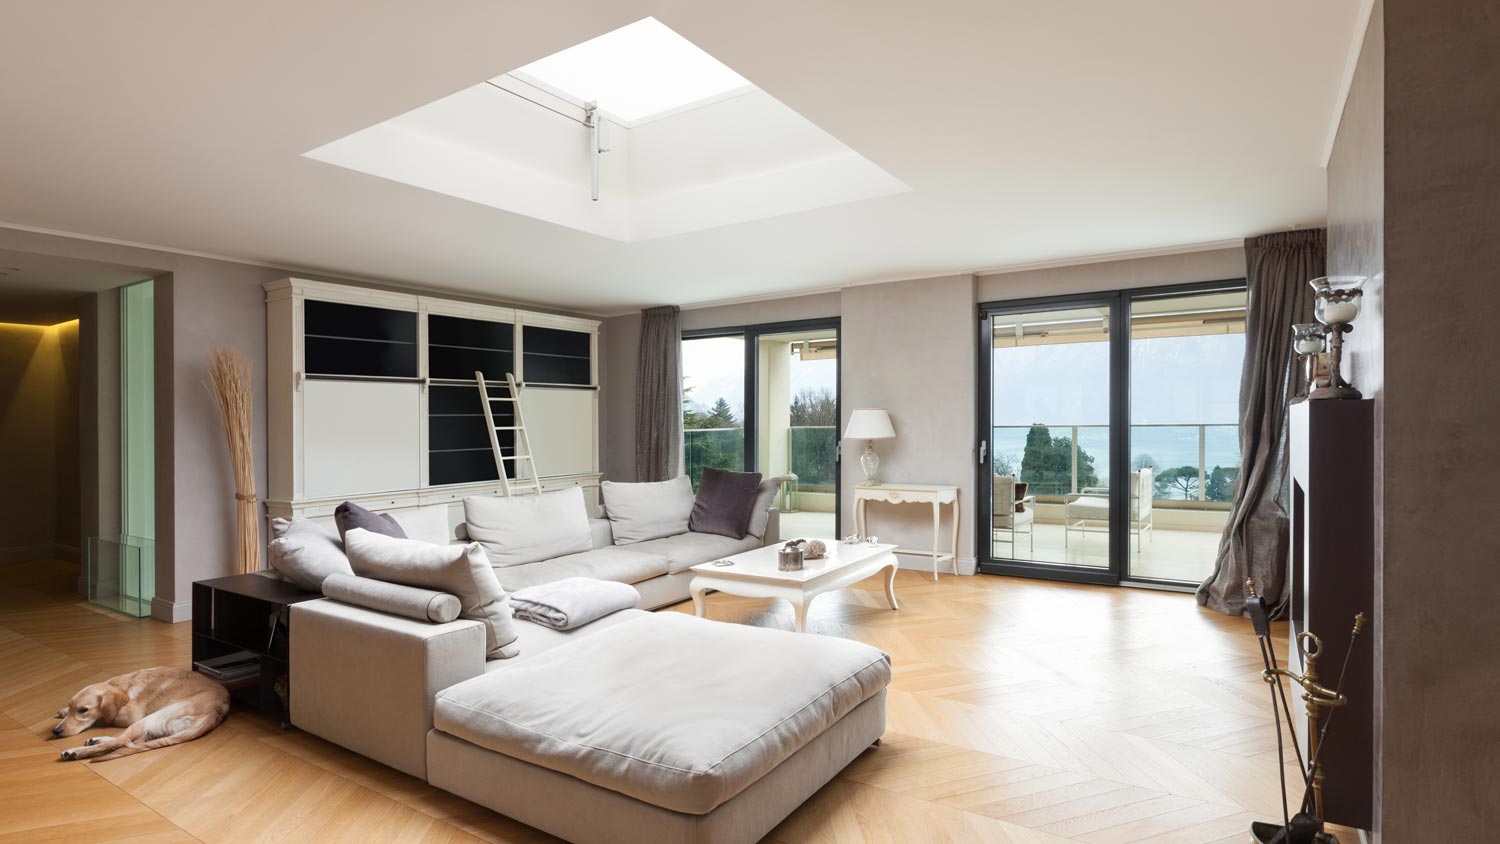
[1306, 826]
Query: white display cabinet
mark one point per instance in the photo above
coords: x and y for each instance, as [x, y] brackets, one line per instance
[372, 396]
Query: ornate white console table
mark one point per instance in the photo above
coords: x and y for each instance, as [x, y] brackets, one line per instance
[935, 495]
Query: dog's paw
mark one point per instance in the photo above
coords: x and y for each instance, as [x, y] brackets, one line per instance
[69, 755]
[93, 741]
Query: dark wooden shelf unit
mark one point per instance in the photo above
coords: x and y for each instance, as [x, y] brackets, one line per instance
[248, 612]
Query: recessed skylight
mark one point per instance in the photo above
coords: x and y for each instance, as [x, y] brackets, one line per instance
[636, 73]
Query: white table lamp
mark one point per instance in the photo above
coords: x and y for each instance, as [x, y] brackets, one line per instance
[869, 424]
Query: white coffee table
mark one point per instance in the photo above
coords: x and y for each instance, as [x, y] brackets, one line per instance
[754, 575]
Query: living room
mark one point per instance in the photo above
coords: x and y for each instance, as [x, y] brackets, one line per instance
[412, 415]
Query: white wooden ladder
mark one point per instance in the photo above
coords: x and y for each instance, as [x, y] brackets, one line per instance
[515, 480]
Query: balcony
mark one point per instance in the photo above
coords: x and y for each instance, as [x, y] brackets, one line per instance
[1195, 468]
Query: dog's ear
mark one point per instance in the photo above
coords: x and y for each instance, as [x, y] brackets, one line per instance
[109, 706]
[62, 713]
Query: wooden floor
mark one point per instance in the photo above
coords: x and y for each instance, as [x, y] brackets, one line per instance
[1022, 712]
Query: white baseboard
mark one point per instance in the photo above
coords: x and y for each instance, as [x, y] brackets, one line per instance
[172, 613]
[44, 551]
[907, 562]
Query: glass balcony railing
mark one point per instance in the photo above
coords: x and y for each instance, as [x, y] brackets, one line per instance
[1189, 463]
[813, 451]
[718, 448]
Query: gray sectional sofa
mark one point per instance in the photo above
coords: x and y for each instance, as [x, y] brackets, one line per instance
[636, 728]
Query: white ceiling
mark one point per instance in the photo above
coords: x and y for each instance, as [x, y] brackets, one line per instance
[1027, 131]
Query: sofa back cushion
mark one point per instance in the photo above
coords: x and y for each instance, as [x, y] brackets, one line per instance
[462, 571]
[305, 552]
[522, 529]
[724, 502]
[760, 511]
[638, 512]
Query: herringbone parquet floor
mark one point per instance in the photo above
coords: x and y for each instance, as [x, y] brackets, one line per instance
[1022, 712]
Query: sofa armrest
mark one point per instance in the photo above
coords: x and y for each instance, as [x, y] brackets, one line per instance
[366, 680]
[773, 527]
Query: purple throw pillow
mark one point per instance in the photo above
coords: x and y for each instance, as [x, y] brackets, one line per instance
[349, 516]
[725, 503]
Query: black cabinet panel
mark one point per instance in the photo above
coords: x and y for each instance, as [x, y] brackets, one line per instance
[555, 341]
[457, 347]
[554, 356]
[461, 467]
[473, 333]
[370, 358]
[458, 441]
[358, 340]
[541, 369]
[447, 399]
[446, 433]
[330, 319]
[461, 362]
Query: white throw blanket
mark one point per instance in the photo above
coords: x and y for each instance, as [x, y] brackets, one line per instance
[572, 602]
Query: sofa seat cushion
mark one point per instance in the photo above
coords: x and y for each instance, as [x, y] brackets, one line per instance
[679, 712]
[617, 564]
[686, 550]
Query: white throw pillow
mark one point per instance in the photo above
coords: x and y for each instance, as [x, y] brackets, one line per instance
[529, 528]
[638, 512]
[429, 524]
[459, 570]
[305, 553]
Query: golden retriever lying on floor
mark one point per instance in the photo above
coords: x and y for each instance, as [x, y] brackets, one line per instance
[158, 707]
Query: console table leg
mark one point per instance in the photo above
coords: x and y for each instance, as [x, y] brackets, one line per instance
[937, 522]
[955, 535]
[890, 585]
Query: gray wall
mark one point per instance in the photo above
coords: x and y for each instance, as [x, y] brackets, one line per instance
[1356, 246]
[1417, 147]
[908, 346]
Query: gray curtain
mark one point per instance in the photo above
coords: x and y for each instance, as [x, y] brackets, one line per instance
[1255, 543]
[658, 397]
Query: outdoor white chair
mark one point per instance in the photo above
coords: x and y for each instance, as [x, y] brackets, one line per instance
[1088, 511]
[1012, 515]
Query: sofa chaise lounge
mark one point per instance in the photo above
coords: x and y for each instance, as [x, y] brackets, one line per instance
[638, 728]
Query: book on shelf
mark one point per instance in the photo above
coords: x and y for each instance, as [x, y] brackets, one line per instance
[230, 668]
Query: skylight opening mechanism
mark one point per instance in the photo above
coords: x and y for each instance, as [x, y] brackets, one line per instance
[592, 120]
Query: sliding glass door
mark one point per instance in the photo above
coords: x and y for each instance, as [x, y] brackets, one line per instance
[765, 398]
[1050, 440]
[713, 404]
[1111, 438]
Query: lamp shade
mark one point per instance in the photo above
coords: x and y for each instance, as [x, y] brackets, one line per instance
[869, 423]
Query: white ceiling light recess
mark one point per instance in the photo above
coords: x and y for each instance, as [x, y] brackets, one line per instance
[692, 144]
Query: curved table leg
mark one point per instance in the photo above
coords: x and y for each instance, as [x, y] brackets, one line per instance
[956, 511]
[890, 585]
[700, 602]
[799, 611]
